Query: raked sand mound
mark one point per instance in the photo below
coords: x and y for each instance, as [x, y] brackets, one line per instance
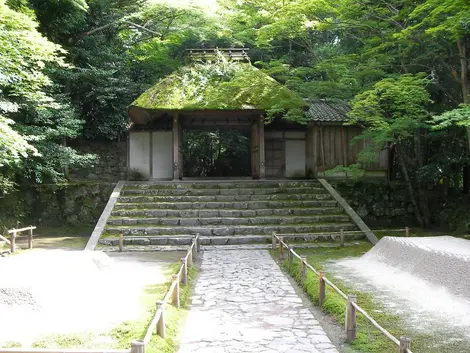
[56, 291]
[442, 261]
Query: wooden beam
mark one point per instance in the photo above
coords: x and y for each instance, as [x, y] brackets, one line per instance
[176, 144]
[351, 213]
[345, 147]
[262, 154]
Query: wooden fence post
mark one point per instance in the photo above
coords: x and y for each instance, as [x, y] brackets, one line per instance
[30, 238]
[184, 274]
[342, 237]
[281, 248]
[190, 258]
[161, 320]
[176, 291]
[138, 346]
[13, 242]
[274, 240]
[290, 256]
[322, 291]
[407, 231]
[198, 243]
[303, 270]
[194, 249]
[121, 242]
[351, 318]
[405, 343]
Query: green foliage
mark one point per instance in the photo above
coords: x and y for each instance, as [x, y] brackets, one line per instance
[40, 116]
[459, 117]
[391, 113]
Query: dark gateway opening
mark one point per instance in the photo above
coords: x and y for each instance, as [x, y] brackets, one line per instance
[216, 153]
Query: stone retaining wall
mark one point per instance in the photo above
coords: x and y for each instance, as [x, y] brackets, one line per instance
[111, 164]
[378, 203]
[55, 205]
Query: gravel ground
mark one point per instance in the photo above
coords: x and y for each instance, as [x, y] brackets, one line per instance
[45, 292]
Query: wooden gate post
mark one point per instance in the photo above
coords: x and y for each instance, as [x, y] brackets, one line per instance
[176, 291]
[190, 258]
[405, 344]
[184, 274]
[161, 320]
[351, 318]
[322, 291]
[303, 270]
[194, 249]
[198, 243]
[30, 238]
[274, 240]
[342, 236]
[138, 346]
[281, 248]
[407, 231]
[13, 242]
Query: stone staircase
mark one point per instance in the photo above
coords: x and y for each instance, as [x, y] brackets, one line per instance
[232, 212]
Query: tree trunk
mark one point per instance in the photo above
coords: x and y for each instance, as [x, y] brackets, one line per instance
[464, 78]
[466, 179]
[409, 186]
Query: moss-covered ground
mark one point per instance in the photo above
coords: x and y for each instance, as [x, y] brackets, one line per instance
[368, 338]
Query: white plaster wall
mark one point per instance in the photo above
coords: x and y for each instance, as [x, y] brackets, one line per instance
[139, 152]
[295, 158]
[162, 162]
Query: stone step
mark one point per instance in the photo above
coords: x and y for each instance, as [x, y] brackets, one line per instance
[231, 191]
[228, 221]
[224, 198]
[149, 230]
[221, 184]
[247, 205]
[228, 240]
[137, 212]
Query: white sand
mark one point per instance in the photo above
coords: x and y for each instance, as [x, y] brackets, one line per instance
[423, 280]
[54, 291]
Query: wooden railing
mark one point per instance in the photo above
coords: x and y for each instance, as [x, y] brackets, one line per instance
[158, 321]
[404, 343]
[14, 234]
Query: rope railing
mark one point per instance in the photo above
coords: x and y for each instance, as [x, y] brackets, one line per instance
[158, 321]
[404, 343]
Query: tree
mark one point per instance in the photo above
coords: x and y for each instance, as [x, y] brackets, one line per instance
[448, 23]
[30, 99]
[392, 115]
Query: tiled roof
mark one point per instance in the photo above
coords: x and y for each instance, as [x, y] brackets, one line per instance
[321, 110]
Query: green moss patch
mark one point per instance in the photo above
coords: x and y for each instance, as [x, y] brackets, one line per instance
[130, 331]
[221, 85]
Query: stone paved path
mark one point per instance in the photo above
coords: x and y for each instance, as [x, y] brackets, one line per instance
[243, 303]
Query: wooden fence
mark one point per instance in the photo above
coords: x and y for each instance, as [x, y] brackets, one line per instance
[404, 343]
[15, 233]
[158, 322]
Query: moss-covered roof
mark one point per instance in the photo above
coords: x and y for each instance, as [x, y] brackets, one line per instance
[219, 86]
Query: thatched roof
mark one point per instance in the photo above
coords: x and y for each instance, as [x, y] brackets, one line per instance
[223, 86]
